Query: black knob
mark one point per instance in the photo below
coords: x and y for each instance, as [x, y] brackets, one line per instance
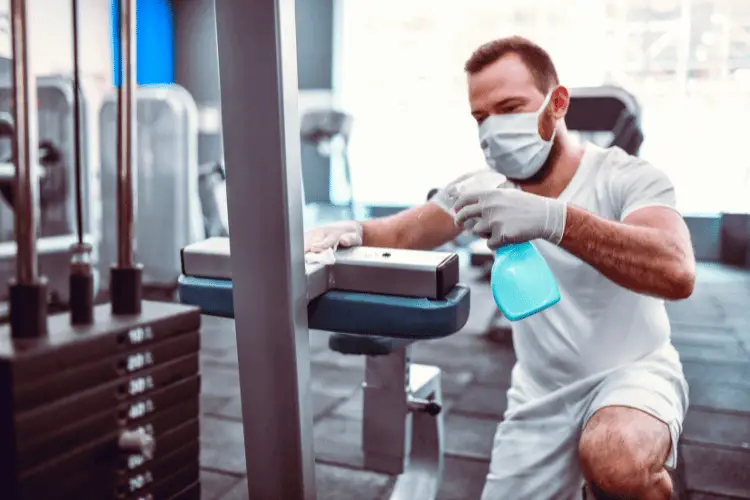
[433, 409]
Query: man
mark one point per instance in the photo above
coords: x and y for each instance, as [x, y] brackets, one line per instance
[597, 393]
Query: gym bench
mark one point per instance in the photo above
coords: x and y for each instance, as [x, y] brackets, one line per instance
[420, 299]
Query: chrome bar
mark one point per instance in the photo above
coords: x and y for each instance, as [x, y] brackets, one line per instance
[126, 134]
[26, 190]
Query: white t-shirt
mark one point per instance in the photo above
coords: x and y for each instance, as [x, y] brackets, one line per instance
[597, 325]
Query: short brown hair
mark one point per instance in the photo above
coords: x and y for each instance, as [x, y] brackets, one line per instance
[534, 57]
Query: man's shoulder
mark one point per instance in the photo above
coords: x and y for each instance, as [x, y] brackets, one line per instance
[614, 162]
[611, 158]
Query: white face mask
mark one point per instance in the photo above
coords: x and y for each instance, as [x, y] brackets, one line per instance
[512, 145]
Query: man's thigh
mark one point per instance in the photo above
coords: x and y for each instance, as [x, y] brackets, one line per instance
[535, 457]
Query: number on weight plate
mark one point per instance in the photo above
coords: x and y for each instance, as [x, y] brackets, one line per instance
[139, 360]
[135, 461]
[140, 481]
[140, 409]
[139, 335]
[140, 385]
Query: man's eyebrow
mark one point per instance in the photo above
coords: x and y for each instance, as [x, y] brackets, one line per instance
[502, 103]
[507, 101]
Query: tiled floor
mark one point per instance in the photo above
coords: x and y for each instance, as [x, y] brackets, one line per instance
[711, 331]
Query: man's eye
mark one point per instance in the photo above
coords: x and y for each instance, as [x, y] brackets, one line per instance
[480, 119]
[510, 109]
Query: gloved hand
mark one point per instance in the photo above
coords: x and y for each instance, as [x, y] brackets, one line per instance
[505, 215]
[344, 233]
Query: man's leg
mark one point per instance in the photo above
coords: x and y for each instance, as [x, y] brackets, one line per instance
[632, 426]
[622, 452]
[535, 451]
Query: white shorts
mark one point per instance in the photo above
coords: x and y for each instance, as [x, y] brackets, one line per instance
[535, 451]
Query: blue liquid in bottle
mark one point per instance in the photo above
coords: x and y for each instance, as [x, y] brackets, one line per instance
[522, 282]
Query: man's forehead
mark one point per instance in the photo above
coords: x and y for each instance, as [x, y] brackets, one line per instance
[507, 77]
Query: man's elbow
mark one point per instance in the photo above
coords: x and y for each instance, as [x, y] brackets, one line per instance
[682, 282]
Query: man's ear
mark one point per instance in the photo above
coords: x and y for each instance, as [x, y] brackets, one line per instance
[560, 101]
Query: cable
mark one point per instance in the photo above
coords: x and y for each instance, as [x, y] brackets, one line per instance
[77, 126]
[81, 280]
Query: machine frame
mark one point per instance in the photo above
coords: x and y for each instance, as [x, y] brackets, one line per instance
[258, 73]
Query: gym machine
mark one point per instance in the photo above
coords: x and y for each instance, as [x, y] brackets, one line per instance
[101, 402]
[380, 301]
[329, 130]
[168, 210]
[56, 183]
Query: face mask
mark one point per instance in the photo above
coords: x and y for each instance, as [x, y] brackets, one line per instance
[512, 145]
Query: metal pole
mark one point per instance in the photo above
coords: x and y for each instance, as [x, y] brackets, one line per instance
[26, 189]
[125, 134]
[260, 127]
[77, 123]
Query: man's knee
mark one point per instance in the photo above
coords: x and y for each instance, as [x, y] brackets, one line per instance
[620, 457]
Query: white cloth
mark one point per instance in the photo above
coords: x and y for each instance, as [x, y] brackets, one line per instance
[589, 350]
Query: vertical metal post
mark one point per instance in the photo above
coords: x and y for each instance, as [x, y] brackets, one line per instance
[28, 292]
[126, 276]
[258, 78]
[26, 189]
[125, 133]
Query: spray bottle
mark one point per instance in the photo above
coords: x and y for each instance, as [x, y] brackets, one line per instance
[522, 282]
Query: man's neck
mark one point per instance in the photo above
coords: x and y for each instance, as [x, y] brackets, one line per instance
[561, 171]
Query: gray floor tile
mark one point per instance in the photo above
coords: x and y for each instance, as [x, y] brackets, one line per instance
[232, 409]
[334, 483]
[220, 381]
[339, 441]
[335, 380]
[469, 437]
[716, 471]
[704, 351]
[210, 402]
[736, 373]
[214, 484]
[499, 373]
[337, 483]
[704, 427]
[239, 492]
[483, 401]
[222, 446]
[718, 396]
[463, 479]
[453, 384]
[351, 407]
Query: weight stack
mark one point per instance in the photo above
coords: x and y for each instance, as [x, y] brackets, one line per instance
[73, 404]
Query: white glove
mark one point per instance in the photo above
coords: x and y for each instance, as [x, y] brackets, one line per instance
[329, 237]
[505, 215]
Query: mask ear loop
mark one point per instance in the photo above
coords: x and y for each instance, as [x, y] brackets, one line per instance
[541, 111]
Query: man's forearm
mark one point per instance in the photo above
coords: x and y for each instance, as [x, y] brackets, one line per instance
[382, 232]
[641, 259]
[423, 227]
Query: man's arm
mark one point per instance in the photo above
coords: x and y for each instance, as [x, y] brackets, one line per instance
[421, 228]
[430, 225]
[649, 252]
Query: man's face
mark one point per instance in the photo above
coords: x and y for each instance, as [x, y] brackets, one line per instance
[507, 86]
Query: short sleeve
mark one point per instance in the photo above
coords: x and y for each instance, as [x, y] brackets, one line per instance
[638, 184]
[482, 179]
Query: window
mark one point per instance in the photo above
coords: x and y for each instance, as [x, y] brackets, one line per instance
[400, 73]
